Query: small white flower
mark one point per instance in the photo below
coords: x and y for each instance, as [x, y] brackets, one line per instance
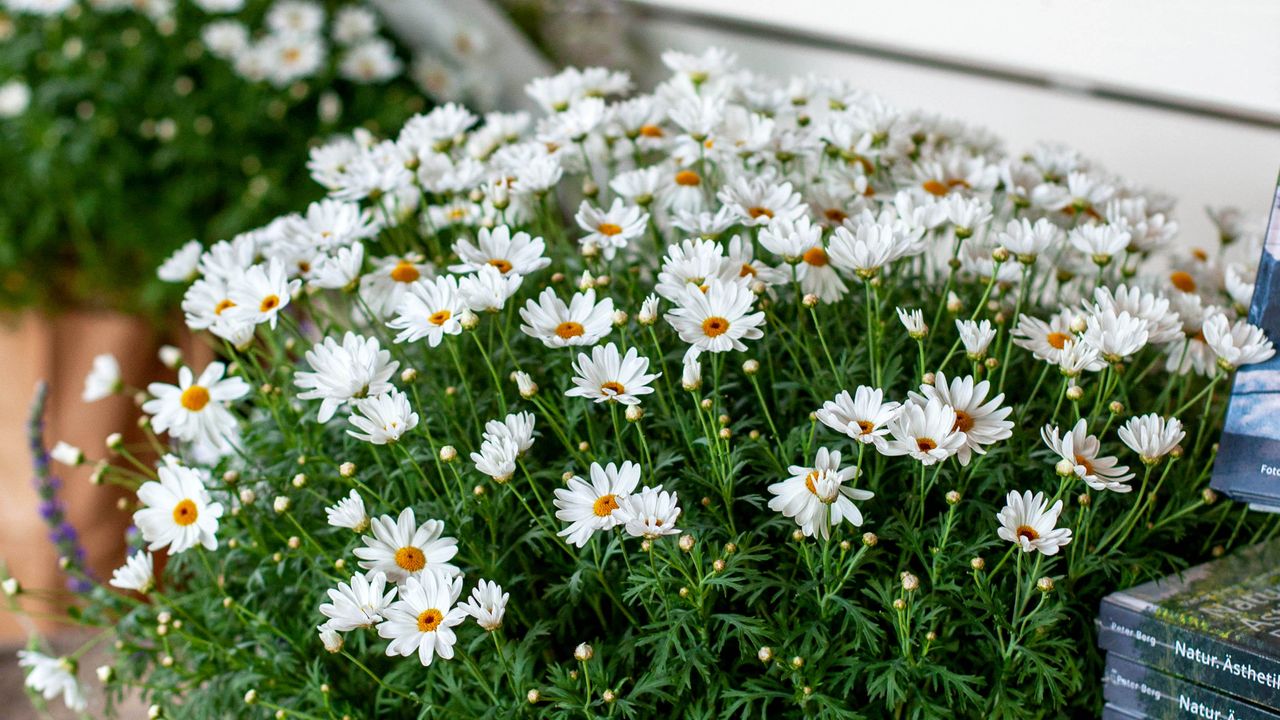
[430, 309]
[648, 314]
[357, 368]
[421, 622]
[519, 253]
[196, 408]
[137, 573]
[52, 677]
[691, 371]
[817, 497]
[610, 230]
[516, 427]
[15, 98]
[177, 511]
[1152, 436]
[1100, 242]
[330, 638]
[1083, 452]
[261, 293]
[651, 513]
[488, 290]
[1235, 345]
[1028, 522]
[401, 548]
[719, 319]
[608, 376]
[67, 454]
[925, 432]
[980, 422]
[348, 513]
[340, 271]
[582, 321]
[103, 379]
[1116, 336]
[497, 458]
[1026, 241]
[487, 604]
[183, 265]
[359, 604]
[913, 321]
[976, 337]
[382, 419]
[589, 508]
[863, 417]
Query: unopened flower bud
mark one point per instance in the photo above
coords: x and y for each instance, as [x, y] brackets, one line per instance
[294, 542]
[706, 404]
[231, 477]
[725, 433]
[1084, 500]
[928, 379]
[584, 446]
[11, 586]
[991, 363]
[533, 696]
[764, 654]
[870, 539]
[170, 356]
[797, 536]
[978, 564]
[468, 320]
[1074, 393]
[686, 542]
[910, 582]
[845, 546]
[1209, 496]
[1116, 407]
[248, 496]
[251, 697]
[899, 604]
[1065, 468]
[953, 497]
[478, 491]
[608, 696]
[115, 441]
[1045, 584]
[583, 652]
[634, 413]
[751, 367]
[299, 480]
[809, 300]
[683, 592]
[280, 504]
[331, 639]
[619, 318]
[408, 376]
[448, 453]
[528, 388]
[106, 674]
[1176, 452]
[718, 565]
[347, 469]
[797, 662]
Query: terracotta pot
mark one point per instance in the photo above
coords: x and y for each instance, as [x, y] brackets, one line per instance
[60, 350]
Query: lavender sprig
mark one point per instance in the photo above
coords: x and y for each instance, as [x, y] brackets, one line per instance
[62, 533]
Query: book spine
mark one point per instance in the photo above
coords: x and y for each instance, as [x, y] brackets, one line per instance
[1111, 712]
[1191, 655]
[1143, 690]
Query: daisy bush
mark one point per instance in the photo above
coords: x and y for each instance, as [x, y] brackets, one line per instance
[745, 397]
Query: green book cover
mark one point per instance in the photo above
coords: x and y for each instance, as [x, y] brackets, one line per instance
[1147, 692]
[1217, 624]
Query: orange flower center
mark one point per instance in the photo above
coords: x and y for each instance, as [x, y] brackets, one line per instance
[1028, 532]
[815, 256]
[269, 303]
[503, 266]
[429, 620]
[688, 178]
[194, 398]
[810, 480]
[865, 427]
[651, 131]
[222, 305]
[835, 215]
[964, 421]
[715, 326]
[926, 444]
[1057, 340]
[1183, 281]
[614, 387]
[605, 505]
[405, 272]
[1083, 462]
[411, 558]
[439, 317]
[185, 513]
[569, 329]
[609, 229]
[757, 211]
[935, 187]
[747, 270]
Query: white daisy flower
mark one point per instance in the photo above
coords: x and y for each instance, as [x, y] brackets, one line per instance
[582, 321]
[488, 290]
[383, 288]
[358, 604]
[401, 548]
[650, 513]
[924, 431]
[638, 187]
[864, 417]
[51, 677]
[818, 277]
[1152, 436]
[382, 419]
[330, 638]
[1077, 357]
[1028, 522]
[817, 497]
[758, 200]
[357, 368]
[610, 230]
[421, 622]
[1235, 345]
[1026, 240]
[593, 507]
[137, 573]
[791, 239]
[979, 421]
[692, 264]
[1045, 340]
[339, 271]
[608, 376]
[648, 314]
[691, 370]
[1099, 242]
[487, 604]
[913, 321]
[1163, 324]
[497, 457]
[519, 253]
[869, 247]
[518, 427]
[183, 265]
[717, 320]
[261, 293]
[178, 513]
[103, 379]
[195, 408]
[742, 256]
[976, 337]
[348, 513]
[1239, 282]
[67, 454]
[1115, 335]
[1082, 455]
[430, 309]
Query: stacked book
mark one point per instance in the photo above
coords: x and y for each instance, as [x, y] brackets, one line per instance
[1201, 644]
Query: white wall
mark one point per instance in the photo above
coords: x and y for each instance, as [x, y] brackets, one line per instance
[1198, 158]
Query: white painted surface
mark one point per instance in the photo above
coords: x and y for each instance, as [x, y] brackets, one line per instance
[1216, 53]
[1199, 160]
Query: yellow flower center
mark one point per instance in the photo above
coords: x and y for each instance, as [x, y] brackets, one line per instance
[614, 387]
[439, 317]
[935, 187]
[809, 481]
[503, 266]
[651, 131]
[1183, 281]
[865, 426]
[1083, 462]
[757, 212]
[926, 444]
[609, 229]
[222, 305]
[964, 421]
[605, 505]
[405, 272]
[1057, 340]
[1028, 532]
[715, 326]
[429, 620]
[195, 398]
[688, 178]
[185, 513]
[411, 558]
[569, 329]
[815, 256]
[269, 303]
